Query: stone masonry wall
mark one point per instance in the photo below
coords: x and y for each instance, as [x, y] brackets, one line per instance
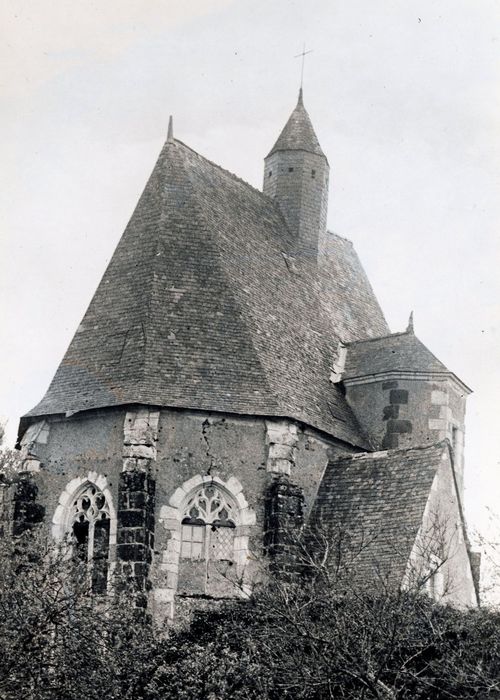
[135, 529]
[399, 413]
[284, 520]
[298, 181]
[27, 510]
[143, 458]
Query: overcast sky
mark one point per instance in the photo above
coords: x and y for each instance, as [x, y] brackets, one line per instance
[404, 98]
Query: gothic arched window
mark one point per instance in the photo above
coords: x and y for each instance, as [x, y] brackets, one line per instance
[208, 526]
[90, 526]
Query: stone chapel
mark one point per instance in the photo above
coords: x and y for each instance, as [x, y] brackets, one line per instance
[234, 370]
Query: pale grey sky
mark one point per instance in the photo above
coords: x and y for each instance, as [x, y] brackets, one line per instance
[405, 101]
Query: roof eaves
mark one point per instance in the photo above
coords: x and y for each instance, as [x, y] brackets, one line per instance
[376, 338]
[405, 374]
[282, 149]
[384, 454]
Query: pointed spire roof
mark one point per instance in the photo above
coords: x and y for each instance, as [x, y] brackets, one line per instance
[298, 133]
[398, 352]
[199, 310]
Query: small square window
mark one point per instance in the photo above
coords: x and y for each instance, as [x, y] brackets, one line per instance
[270, 173]
[313, 174]
[290, 170]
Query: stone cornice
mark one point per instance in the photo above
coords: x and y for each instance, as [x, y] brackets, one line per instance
[409, 376]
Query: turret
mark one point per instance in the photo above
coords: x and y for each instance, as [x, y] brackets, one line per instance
[296, 175]
[403, 396]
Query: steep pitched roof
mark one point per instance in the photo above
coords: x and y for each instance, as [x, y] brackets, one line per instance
[298, 133]
[398, 352]
[378, 500]
[202, 307]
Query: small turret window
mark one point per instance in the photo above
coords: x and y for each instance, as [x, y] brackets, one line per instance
[290, 170]
[270, 173]
[313, 174]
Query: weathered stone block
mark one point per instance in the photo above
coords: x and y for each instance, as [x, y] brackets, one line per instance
[399, 426]
[439, 397]
[282, 451]
[131, 518]
[399, 396]
[279, 466]
[134, 481]
[391, 411]
[131, 552]
[391, 384]
[139, 451]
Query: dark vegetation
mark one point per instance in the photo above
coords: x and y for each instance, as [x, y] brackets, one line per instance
[318, 637]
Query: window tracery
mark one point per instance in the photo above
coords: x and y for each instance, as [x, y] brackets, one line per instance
[208, 526]
[90, 528]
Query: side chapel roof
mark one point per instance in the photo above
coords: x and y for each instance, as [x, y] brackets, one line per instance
[203, 307]
[378, 500]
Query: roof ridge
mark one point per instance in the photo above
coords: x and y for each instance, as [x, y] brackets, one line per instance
[337, 235]
[236, 178]
[164, 206]
[380, 454]
[224, 170]
[379, 337]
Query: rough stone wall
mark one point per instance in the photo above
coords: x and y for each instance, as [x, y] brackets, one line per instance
[83, 444]
[284, 519]
[193, 448]
[399, 413]
[301, 454]
[147, 461]
[243, 455]
[135, 529]
[298, 181]
[27, 510]
[136, 499]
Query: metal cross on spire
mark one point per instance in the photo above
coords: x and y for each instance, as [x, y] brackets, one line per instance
[303, 54]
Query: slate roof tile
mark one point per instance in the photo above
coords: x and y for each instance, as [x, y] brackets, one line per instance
[395, 352]
[298, 133]
[378, 499]
[203, 307]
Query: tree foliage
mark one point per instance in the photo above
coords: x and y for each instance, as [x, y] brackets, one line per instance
[310, 638]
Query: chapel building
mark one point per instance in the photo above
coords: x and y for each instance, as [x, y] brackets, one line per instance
[233, 368]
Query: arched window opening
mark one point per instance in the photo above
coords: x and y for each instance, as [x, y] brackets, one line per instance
[208, 526]
[90, 527]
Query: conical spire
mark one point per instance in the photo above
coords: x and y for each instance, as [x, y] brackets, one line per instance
[298, 133]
